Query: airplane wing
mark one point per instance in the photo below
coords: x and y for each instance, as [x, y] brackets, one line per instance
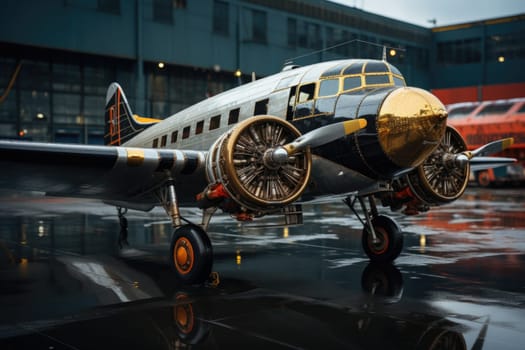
[119, 174]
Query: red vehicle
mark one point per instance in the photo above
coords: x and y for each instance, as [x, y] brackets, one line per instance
[480, 122]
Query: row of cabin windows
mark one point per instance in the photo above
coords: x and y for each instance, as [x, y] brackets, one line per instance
[215, 123]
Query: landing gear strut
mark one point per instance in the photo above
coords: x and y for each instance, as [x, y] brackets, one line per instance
[191, 255]
[382, 238]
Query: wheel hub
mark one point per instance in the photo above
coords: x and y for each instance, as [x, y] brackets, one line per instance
[380, 244]
[184, 255]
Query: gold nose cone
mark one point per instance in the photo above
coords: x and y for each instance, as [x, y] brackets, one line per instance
[410, 125]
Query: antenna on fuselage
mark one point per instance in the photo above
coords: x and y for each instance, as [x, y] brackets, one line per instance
[289, 61]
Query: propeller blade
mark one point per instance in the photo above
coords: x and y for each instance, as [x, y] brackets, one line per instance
[482, 163]
[478, 160]
[324, 135]
[492, 147]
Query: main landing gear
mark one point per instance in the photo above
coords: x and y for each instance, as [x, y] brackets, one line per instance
[191, 255]
[382, 238]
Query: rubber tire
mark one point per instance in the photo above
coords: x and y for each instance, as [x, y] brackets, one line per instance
[385, 227]
[200, 244]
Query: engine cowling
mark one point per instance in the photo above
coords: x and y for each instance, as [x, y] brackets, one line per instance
[437, 181]
[238, 166]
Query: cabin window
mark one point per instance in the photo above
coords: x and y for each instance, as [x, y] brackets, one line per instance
[186, 132]
[522, 109]
[261, 107]
[155, 143]
[234, 116]
[215, 122]
[199, 127]
[328, 87]
[174, 136]
[163, 140]
[306, 93]
[352, 83]
[377, 79]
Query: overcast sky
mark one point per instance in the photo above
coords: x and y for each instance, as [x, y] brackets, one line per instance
[443, 11]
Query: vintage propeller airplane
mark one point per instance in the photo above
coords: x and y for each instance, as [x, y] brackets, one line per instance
[348, 129]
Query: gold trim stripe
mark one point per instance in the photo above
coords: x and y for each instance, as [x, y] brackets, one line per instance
[135, 157]
[144, 120]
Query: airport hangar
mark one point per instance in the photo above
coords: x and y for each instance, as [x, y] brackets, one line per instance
[58, 57]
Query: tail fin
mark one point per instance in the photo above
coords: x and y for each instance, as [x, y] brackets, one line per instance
[121, 125]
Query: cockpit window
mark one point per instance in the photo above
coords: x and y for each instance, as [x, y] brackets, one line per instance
[352, 83]
[376, 67]
[306, 92]
[399, 81]
[377, 79]
[334, 71]
[328, 87]
[394, 70]
[355, 68]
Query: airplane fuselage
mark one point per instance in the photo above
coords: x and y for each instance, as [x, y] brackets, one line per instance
[404, 124]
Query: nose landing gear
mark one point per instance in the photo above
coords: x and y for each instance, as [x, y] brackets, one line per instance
[382, 238]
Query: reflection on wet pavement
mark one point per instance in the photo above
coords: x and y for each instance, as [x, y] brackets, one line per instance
[458, 284]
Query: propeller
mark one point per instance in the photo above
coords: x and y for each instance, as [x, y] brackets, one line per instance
[478, 158]
[315, 138]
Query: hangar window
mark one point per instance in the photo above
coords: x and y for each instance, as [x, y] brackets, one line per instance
[292, 31]
[215, 122]
[234, 116]
[186, 132]
[199, 127]
[255, 22]
[162, 11]
[109, 6]
[221, 18]
[174, 136]
[163, 140]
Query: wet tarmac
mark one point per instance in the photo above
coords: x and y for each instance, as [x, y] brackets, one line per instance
[459, 283]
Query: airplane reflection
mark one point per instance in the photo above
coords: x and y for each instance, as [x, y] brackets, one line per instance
[240, 314]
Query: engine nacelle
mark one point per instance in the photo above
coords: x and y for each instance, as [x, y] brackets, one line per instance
[238, 167]
[437, 181]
